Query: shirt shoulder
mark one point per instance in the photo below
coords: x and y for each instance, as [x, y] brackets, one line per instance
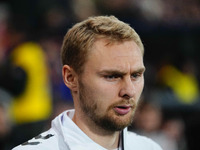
[45, 141]
[141, 142]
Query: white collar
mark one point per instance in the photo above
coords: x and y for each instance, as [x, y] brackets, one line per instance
[73, 136]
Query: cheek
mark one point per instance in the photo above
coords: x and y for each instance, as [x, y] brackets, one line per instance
[140, 87]
[104, 94]
[108, 90]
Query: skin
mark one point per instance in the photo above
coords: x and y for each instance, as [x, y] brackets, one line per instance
[112, 81]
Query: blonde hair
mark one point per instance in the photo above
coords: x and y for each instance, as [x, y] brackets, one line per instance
[81, 37]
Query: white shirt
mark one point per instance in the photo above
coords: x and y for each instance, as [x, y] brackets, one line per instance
[64, 134]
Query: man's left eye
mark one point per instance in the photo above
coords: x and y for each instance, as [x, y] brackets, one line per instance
[136, 75]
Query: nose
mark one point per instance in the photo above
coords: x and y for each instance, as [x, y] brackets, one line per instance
[127, 90]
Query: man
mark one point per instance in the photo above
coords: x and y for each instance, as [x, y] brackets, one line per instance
[103, 67]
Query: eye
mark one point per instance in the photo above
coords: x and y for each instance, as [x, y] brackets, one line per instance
[112, 77]
[136, 75]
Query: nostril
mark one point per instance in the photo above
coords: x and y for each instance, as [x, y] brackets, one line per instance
[126, 96]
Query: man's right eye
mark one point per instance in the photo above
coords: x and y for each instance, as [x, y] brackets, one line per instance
[111, 77]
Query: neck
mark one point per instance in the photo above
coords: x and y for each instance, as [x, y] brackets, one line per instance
[107, 139]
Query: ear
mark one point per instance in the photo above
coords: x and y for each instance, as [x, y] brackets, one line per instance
[70, 77]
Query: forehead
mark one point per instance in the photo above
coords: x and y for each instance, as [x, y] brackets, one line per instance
[117, 55]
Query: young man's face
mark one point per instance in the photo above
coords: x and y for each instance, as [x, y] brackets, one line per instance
[111, 84]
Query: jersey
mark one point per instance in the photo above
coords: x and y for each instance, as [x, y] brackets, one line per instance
[64, 134]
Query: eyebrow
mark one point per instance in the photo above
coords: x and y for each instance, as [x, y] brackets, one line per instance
[141, 70]
[120, 72]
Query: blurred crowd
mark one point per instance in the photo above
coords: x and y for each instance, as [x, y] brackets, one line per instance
[31, 87]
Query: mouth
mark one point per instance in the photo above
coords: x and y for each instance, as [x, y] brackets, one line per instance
[122, 110]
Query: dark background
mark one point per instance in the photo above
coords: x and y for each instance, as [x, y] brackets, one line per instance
[170, 31]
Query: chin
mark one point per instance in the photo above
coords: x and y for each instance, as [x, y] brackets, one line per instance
[116, 123]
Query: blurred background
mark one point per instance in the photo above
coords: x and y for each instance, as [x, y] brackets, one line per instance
[32, 92]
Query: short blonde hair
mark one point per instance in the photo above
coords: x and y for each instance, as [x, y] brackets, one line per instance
[81, 37]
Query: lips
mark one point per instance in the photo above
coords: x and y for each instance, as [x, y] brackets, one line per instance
[122, 110]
